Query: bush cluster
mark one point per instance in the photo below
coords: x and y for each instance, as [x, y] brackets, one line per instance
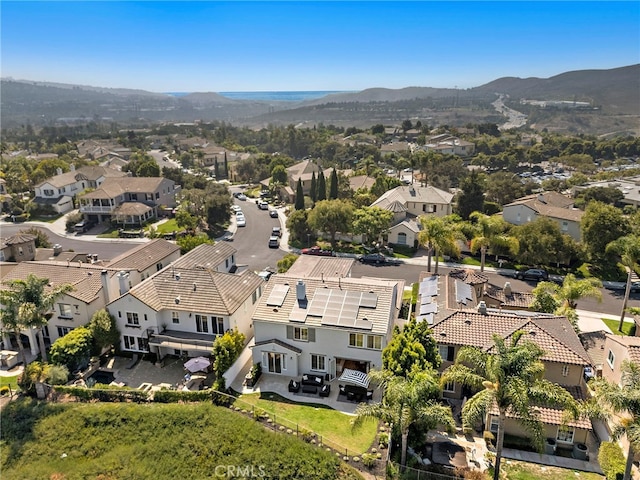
[611, 460]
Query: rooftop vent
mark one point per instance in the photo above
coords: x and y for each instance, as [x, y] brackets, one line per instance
[177, 299]
[507, 289]
[482, 308]
[195, 287]
[178, 276]
[467, 321]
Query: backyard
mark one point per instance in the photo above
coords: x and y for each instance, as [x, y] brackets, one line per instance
[515, 470]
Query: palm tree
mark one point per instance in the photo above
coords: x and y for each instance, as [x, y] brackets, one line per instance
[28, 304]
[621, 401]
[437, 236]
[510, 379]
[406, 402]
[628, 248]
[490, 234]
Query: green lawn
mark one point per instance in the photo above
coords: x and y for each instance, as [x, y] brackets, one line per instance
[628, 328]
[333, 426]
[169, 226]
[515, 470]
[10, 381]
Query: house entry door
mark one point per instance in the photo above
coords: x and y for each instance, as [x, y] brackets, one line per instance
[276, 362]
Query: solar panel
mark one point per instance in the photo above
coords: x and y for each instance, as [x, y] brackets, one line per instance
[426, 318]
[463, 292]
[429, 286]
[340, 308]
[369, 300]
[277, 296]
[428, 308]
[425, 299]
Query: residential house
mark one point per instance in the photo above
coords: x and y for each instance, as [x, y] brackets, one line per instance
[181, 311]
[565, 360]
[146, 259]
[630, 188]
[553, 205]
[219, 257]
[407, 202]
[311, 266]
[449, 144]
[92, 287]
[324, 324]
[59, 190]
[128, 200]
[304, 171]
[20, 247]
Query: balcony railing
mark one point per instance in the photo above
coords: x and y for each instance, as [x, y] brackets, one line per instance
[95, 209]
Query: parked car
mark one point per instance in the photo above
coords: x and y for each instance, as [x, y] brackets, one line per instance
[316, 250]
[241, 221]
[236, 208]
[273, 213]
[262, 205]
[274, 242]
[83, 226]
[536, 274]
[276, 232]
[242, 197]
[373, 258]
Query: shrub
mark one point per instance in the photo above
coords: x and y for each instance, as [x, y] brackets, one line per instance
[383, 440]
[58, 375]
[611, 460]
[368, 460]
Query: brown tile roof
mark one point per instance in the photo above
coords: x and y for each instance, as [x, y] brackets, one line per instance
[413, 193]
[513, 300]
[554, 335]
[317, 267]
[633, 347]
[551, 204]
[112, 187]
[197, 290]
[472, 277]
[19, 239]
[84, 277]
[381, 317]
[144, 256]
[206, 256]
[131, 208]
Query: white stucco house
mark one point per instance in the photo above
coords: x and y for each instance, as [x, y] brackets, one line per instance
[324, 325]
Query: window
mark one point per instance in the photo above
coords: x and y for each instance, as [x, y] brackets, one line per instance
[356, 340]
[143, 344]
[611, 359]
[447, 352]
[565, 434]
[132, 318]
[449, 387]
[301, 333]
[175, 317]
[565, 370]
[202, 325]
[129, 342]
[158, 267]
[157, 195]
[493, 425]
[402, 238]
[219, 323]
[565, 226]
[318, 363]
[48, 193]
[374, 342]
[62, 331]
[254, 297]
[45, 331]
[65, 310]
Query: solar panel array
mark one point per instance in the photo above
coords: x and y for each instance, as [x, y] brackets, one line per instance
[426, 318]
[277, 296]
[340, 308]
[463, 292]
[427, 307]
[429, 286]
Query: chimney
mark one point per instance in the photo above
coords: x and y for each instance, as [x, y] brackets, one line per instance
[72, 167]
[301, 294]
[507, 289]
[123, 281]
[105, 286]
[58, 171]
[482, 308]
[541, 198]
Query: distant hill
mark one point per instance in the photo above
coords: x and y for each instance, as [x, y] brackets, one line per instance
[614, 92]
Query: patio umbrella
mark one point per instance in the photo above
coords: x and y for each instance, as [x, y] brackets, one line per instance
[354, 376]
[197, 364]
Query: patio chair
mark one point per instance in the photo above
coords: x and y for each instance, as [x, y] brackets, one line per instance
[342, 390]
[325, 390]
[369, 395]
[294, 386]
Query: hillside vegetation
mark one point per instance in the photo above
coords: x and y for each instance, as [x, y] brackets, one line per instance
[116, 441]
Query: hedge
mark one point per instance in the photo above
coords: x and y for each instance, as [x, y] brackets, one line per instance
[611, 460]
[104, 395]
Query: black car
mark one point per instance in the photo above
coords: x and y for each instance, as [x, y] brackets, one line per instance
[536, 274]
[373, 258]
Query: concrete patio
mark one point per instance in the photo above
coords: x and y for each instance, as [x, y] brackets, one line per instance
[279, 384]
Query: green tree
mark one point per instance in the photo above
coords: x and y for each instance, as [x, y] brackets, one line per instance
[541, 242]
[189, 242]
[414, 345]
[148, 169]
[371, 222]
[298, 226]
[185, 220]
[437, 236]
[628, 249]
[322, 187]
[331, 217]
[299, 205]
[104, 330]
[512, 379]
[601, 224]
[73, 350]
[279, 175]
[28, 304]
[620, 401]
[490, 233]
[333, 185]
[226, 350]
[313, 192]
[284, 264]
[407, 402]
[471, 197]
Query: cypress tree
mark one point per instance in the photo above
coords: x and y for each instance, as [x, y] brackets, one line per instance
[299, 196]
[226, 165]
[217, 168]
[314, 187]
[333, 186]
[322, 187]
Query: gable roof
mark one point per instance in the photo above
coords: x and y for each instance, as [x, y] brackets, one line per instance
[112, 187]
[632, 344]
[205, 256]
[593, 343]
[317, 267]
[144, 256]
[550, 204]
[91, 173]
[554, 335]
[513, 299]
[410, 193]
[196, 290]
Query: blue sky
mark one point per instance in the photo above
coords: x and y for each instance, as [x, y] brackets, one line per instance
[271, 46]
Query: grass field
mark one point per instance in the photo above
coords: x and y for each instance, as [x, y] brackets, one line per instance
[333, 426]
[628, 328]
[154, 441]
[515, 470]
[10, 381]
